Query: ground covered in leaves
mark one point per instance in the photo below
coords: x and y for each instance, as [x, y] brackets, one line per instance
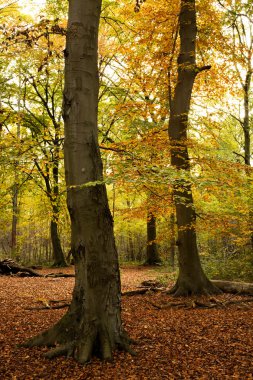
[184, 342]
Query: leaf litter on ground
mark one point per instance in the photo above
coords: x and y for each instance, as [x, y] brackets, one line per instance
[171, 342]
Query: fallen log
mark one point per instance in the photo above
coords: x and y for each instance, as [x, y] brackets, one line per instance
[199, 304]
[234, 287]
[9, 267]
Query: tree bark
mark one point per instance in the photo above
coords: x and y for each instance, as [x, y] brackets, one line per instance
[234, 287]
[191, 279]
[152, 256]
[242, 49]
[246, 120]
[59, 259]
[52, 193]
[247, 137]
[14, 224]
[172, 241]
[92, 324]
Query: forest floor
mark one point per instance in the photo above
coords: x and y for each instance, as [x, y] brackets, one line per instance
[172, 343]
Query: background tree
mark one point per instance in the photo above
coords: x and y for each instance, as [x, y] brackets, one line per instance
[191, 278]
[140, 113]
[239, 19]
[40, 77]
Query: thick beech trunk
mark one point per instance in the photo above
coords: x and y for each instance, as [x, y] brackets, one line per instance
[92, 324]
[191, 279]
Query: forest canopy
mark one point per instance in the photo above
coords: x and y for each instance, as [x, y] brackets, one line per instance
[137, 62]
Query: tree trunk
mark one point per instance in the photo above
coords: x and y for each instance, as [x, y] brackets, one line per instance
[152, 256]
[92, 324]
[191, 279]
[247, 139]
[14, 224]
[172, 241]
[130, 242]
[59, 259]
[246, 120]
[53, 196]
[130, 247]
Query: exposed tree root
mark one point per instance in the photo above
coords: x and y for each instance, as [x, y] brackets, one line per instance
[96, 341]
[234, 287]
[186, 289]
[66, 349]
[48, 306]
[61, 333]
[208, 304]
[211, 288]
[72, 337]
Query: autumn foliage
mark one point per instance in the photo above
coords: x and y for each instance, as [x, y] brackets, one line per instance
[137, 65]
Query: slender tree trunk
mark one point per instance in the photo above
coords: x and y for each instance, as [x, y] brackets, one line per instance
[130, 242]
[59, 259]
[152, 255]
[93, 321]
[172, 240]
[130, 247]
[246, 120]
[247, 139]
[58, 254]
[53, 196]
[15, 195]
[14, 223]
[191, 279]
